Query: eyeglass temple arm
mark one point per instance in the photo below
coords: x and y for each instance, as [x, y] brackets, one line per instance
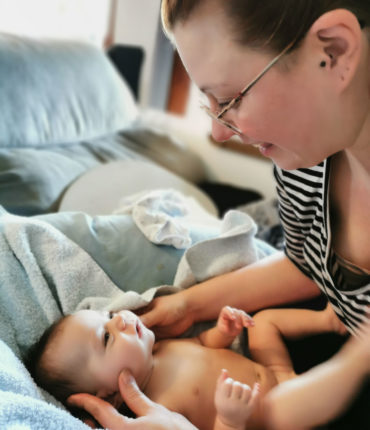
[255, 80]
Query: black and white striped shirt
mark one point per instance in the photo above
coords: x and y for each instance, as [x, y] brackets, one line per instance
[304, 212]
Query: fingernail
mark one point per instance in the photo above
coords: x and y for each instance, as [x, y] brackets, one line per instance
[126, 377]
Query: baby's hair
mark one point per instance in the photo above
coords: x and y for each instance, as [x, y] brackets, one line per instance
[42, 368]
[51, 377]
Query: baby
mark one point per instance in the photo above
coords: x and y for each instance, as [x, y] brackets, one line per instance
[86, 351]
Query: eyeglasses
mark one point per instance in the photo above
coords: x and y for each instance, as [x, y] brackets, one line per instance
[218, 116]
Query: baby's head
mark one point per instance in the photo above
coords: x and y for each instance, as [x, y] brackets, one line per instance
[86, 351]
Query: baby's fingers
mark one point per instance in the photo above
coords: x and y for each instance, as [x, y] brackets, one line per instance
[247, 320]
[240, 391]
[223, 375]
[228, 313]
[252, 396]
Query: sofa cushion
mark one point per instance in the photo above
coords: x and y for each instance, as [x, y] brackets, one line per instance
[65, 109]
[54, 92]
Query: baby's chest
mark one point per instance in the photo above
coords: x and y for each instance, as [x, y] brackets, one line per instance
[185, 378]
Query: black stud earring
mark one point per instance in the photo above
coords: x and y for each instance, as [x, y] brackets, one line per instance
[323, 64]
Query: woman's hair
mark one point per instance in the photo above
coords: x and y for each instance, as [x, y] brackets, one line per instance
[271, 24]
[43, 368]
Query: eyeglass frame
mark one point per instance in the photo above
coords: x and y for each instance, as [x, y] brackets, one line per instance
[218, 116]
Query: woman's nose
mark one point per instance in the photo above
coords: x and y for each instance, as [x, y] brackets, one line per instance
[221, 133]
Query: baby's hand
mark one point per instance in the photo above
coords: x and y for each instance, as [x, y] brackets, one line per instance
[234, 402]
[231, 321]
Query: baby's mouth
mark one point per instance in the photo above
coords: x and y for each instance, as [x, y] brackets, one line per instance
[138, 328]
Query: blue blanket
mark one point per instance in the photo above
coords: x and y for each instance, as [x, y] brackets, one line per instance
[44, 275]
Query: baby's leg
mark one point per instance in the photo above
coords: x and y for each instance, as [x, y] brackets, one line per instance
[266, 338]
[321, 394]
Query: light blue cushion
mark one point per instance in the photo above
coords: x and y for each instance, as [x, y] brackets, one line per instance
[55, 92]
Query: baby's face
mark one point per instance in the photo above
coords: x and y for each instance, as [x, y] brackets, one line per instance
[101, 344]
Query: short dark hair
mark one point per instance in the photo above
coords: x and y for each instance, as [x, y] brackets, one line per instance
[271, 24]
[44, 372]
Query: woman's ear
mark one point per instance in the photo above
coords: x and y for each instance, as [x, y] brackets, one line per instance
[338, 36]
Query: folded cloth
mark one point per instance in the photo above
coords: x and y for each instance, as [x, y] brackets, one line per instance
[163, 216]
[235, 247]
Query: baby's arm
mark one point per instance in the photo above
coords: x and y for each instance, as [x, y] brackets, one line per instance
[229, 324]
[322, 393]
[234, 403]
[266, 342]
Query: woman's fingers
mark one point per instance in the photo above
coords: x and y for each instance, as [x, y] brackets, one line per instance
[138, 402]
[102, 411]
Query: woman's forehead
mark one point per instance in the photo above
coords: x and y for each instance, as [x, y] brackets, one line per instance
[213, 60]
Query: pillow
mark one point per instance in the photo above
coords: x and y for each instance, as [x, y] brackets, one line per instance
[54, 92]
[130, 260]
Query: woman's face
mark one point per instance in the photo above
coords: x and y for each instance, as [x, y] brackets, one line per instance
[291, 114]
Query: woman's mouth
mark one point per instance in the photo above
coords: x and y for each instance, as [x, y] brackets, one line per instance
[264, 148]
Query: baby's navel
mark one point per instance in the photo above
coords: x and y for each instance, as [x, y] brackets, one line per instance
[195, 391]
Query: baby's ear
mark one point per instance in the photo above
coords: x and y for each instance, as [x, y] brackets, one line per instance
[103, 393]
[114, 398]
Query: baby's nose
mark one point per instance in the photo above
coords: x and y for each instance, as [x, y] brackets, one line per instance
[119, 322]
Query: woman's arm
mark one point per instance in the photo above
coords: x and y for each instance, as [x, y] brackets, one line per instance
[272, 281]
[321, 394]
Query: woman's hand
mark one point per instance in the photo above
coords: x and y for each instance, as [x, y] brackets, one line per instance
[151, 416]
[167, 316]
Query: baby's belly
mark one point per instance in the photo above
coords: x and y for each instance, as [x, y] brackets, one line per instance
[242, 369]
[203, 370]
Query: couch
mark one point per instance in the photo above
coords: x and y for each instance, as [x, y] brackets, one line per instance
[65, 110]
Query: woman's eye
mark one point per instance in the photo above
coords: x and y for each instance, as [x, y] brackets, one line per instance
[223, 104]
[106, 338]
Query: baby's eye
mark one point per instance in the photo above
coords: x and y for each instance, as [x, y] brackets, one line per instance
[106, 338]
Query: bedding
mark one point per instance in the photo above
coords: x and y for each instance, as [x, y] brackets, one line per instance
[46, 270]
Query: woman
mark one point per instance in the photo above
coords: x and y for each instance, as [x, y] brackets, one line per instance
[292, 78]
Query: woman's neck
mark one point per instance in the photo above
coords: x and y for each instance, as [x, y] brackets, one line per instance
[357, 156]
